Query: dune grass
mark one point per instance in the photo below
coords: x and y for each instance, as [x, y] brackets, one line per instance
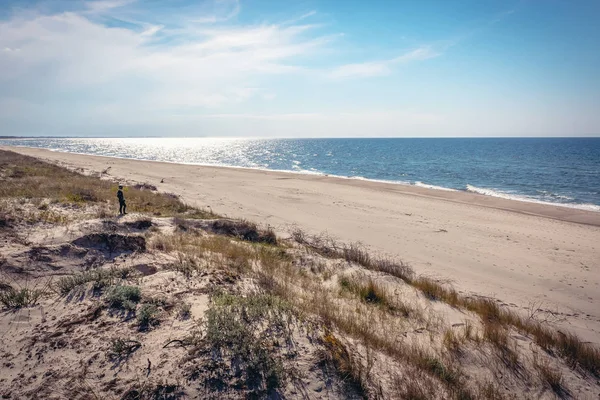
[578, 353]
[27, 177]
[99, 278]
[12, 298]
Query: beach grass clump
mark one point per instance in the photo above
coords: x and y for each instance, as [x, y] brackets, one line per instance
[184, 311]
[187, 264]
[244, 230]
[147, 316]
[100, 279]
[122, 348]
[348, 368]
[12, 298]
[123, 297]
[551, 377]
[436, 291]
[163, 389]
[237, 256]
[191, 247]
[242, 331]
[353, 253]
[452, 342]
[368, 290]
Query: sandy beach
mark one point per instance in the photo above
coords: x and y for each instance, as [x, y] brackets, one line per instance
[527, 255]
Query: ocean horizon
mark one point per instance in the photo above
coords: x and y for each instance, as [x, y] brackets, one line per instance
[556, 171]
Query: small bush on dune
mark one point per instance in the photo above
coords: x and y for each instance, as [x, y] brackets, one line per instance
[243, 330]
[123, 297]
[120, 348]
[147, 316]
[184, 311]
[100, 278]
[18, 298]
[244, 230]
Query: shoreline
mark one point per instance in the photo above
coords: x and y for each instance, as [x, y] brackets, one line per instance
[559, 211]
[519, 253]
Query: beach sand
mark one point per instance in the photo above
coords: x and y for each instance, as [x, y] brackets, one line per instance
[529, 256]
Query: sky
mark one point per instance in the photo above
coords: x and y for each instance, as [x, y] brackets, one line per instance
[305, 68]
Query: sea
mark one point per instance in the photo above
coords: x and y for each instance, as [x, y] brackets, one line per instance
[558, 171]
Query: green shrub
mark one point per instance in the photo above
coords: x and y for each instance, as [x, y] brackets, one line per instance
[19, 298]
[147, 316]
[243, 331]
[123, 297]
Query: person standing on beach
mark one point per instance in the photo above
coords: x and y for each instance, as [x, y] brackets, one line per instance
[122, 205]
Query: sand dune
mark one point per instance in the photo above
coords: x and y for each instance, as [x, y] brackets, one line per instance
[524, 254]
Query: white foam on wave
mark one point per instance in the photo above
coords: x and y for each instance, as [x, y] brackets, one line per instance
[362, 178]
[508, 196]
[425, 185]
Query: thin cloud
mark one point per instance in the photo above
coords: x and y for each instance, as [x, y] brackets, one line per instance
[361, 70]
[382, 68]
[212, 67]
[227, 9]
[106, 5]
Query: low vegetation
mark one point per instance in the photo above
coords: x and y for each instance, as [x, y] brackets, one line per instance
[29, 178]
[121, 348]
[123, 297]
[99, 279]
[147, 316]
[569, 346]
[249, 338]
[12, 298]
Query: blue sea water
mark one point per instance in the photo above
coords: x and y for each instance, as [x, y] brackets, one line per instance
[562, 171]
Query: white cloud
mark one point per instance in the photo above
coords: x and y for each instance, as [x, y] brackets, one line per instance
[381, 68]
[361, 70]
[152, 30]
[224, 10]
[106, 5]
[68, 51]
[73, 66]
[419, 54]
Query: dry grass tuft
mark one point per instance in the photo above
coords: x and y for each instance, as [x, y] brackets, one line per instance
[452, 342]
[12, 298]
[100, 278]
[355, 253]
[370, 291]
[244, 230]
[436, 291]
[250, 336]
[550, 377]
[336, 354]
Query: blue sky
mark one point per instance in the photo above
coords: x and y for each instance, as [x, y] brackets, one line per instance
[309, 68]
